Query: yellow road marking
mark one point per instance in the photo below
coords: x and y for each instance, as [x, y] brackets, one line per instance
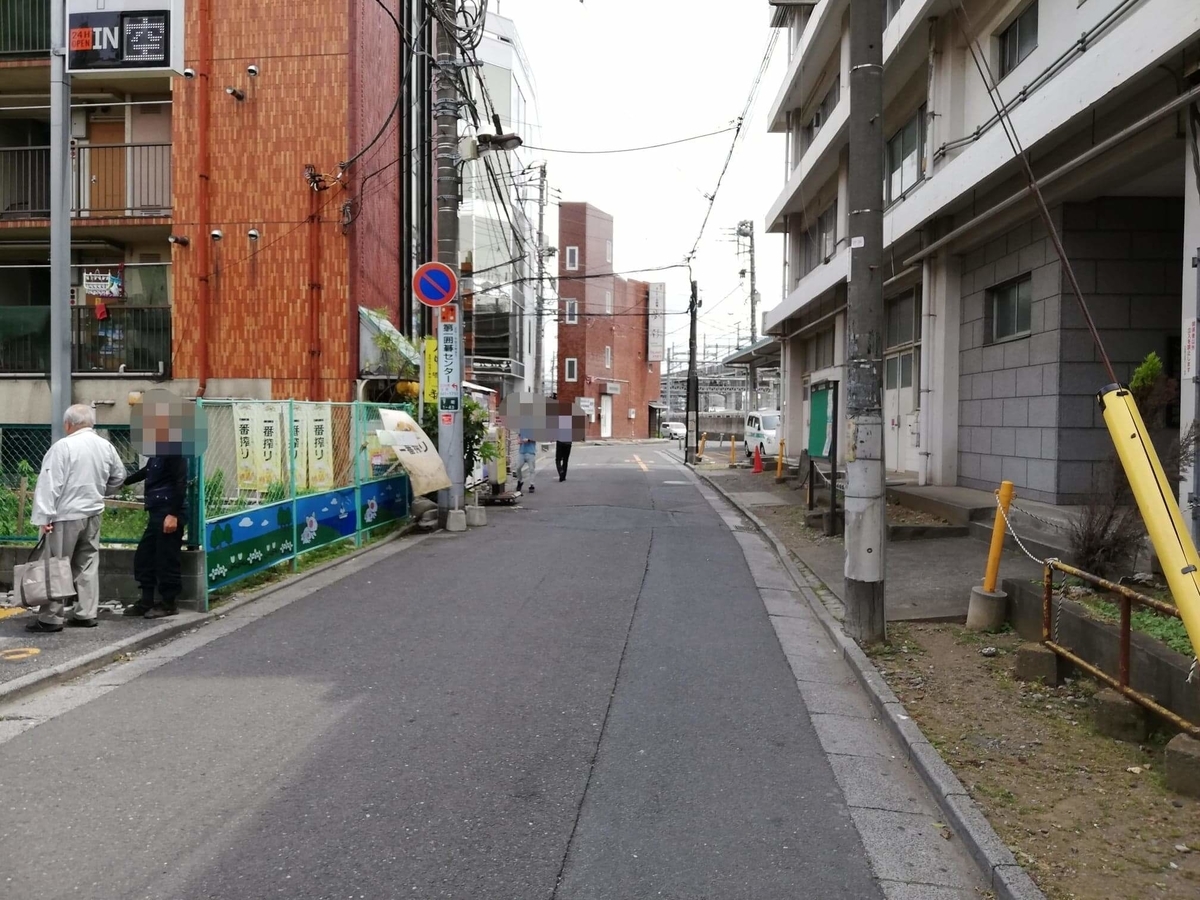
[17, 654]
[11, 611]
[641, 464]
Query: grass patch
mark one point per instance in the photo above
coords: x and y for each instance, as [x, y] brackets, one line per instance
[1166, 630]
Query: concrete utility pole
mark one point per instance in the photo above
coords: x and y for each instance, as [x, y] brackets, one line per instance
[746, 230]
[450, 421]
[539, 382]
[693, 381]
[60, 220]
[865, 507]
[670, 409]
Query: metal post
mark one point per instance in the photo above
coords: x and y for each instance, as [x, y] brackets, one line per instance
[693, 382]
[1194, 497]
[753, 370]
[450, 424]
[866, 519]
[541, 282]
[60, 220]
[992, 572]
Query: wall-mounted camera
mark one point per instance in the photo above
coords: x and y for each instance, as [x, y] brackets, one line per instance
[252, 71]
[217, 234]
[189, 73]
[252, 234]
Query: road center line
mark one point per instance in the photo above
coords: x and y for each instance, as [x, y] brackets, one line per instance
[641, 464]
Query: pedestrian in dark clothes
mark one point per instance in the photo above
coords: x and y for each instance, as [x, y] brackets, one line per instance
[562, 450]
[156, 564]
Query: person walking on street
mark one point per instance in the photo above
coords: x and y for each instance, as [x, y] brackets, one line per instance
[528, 458]
[78, 472]
[156, 563]
[562, 450]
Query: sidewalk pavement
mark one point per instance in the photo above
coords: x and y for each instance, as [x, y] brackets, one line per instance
[927, 580]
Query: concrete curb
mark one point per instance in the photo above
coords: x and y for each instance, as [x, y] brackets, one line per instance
[1006, 877]
[101, 657]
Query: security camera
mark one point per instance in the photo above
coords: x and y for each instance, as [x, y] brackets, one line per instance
[217, 234]
[252, 234]
[236, 93]
[189, 73]
[252, 71]
[178, 239]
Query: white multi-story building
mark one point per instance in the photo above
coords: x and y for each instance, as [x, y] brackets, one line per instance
[499, 214]
[989, 373]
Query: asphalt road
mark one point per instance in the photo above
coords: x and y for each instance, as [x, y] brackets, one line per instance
[585, 699]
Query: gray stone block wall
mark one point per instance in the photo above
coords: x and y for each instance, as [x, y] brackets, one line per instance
[1027, 407]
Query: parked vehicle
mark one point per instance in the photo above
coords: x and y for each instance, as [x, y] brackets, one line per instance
[762, 431]
[672, 430]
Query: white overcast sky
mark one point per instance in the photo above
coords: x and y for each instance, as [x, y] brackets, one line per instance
[624, 73]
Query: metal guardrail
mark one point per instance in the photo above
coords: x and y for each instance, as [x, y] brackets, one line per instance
[1126, 598]
[108, 180]
[130, 340]
[24, 28]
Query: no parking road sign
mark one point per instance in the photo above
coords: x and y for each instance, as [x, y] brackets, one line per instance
[435, 284]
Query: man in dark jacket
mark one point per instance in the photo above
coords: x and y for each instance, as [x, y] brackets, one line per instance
[156, 564]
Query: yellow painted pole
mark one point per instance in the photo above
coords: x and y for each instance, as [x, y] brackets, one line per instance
[779, 461]
[1156, 502]
[732, 451]
[993, 563]
[703, 441]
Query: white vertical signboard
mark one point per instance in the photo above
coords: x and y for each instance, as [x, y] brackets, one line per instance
[449, 371]
[656, 334]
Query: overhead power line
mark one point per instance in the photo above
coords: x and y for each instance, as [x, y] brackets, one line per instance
[695, 137]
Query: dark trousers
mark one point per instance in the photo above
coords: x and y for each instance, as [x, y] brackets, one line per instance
[156, 564]
[562, 455]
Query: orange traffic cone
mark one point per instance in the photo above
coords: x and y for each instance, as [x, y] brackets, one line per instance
[757, 461]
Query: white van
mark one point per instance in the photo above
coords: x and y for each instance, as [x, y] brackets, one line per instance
[762, 431]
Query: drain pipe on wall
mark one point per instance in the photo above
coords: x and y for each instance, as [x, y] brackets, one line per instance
[203, 211]
[925, 392]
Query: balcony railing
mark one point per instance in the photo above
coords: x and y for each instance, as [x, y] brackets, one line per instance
[130, 340]
[107, 181]
[24, 28]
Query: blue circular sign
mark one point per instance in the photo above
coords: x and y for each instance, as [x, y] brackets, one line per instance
[435, 284]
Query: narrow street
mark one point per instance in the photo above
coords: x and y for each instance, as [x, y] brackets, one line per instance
[585, 699]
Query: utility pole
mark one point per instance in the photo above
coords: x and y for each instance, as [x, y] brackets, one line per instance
[450, 421]
[670, 409]
[693, 381]
[746, 230]
[541, 282]
[865, 507]
[60, 220]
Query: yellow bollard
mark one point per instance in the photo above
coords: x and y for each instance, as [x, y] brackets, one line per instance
[993, 563]
[703, 441]
[779, 462]
[732, 452]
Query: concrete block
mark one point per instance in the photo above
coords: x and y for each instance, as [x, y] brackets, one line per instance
[1032, 257]
[1118, 717]
[1004, 441]
[1029, 443]
[981, 386]
[1098, 245]
[1183, 765]
[476, 516]
[1083, 378]
[1046, 281]
[1076, 412]
[1043, 411]
[1016, 412]
[972, 261]
[970, 412]
[456, 520]
[1041, 475]
[1085, 274]
[964, 386]
[1014, 883]
[1051, 376]
[1053, 307]
[1049, 443]
[1016, 354]
[1130, 277]
[1007, 267]
[1029, 378]
[969, 465]
[1043, 348]
[980, 440]
[1091, 444]
[1037, 317]
[984, 277]
[993, 358]
[978, 836]
[970, 361]
[972, 306]
[993, 412]
[1152, 245]
[1075, 478]
[990, 469]
[986, 609]
[1020, 237]
[1078, 216]
[1037, 662]
[1013, 469]
[939, 777]
[1004, 383]
[1076, 345]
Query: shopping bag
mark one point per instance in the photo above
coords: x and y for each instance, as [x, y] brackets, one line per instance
[43, 580]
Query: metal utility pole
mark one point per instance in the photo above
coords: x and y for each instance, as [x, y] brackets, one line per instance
[865, 506]
[60, 220]
[450, 421]
[541, 282]
[693, 381]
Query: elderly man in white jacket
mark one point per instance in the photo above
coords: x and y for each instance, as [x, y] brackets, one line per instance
[78, 472]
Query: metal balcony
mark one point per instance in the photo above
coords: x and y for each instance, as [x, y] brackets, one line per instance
[24, 28]
[107, 181]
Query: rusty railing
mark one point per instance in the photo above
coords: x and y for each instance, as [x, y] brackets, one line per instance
[1126, 598]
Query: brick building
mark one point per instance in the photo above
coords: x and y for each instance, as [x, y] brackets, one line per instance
[272, 308]
[604, 325]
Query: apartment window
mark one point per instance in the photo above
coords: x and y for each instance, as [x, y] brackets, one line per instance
[608, 251]
[820, 241]
[571, 369]
[1010, 308]
[608, 357]
[1019, 39]
[608, 307]
[893, 7]
[906, 157]
[823, 111]
[571, 312]
[572, 259]
[903, 325]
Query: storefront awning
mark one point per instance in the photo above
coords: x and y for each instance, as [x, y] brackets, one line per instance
[656, 404]
[762, 355]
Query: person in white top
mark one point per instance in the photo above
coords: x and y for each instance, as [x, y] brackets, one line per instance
[78, 472]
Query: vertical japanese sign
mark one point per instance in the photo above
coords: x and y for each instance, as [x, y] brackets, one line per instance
[1189, 348]
[320, 446]
[430, 387]
[300, 428]
[449, 369]
[270, 471]
[656, 312]
[248, 423]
